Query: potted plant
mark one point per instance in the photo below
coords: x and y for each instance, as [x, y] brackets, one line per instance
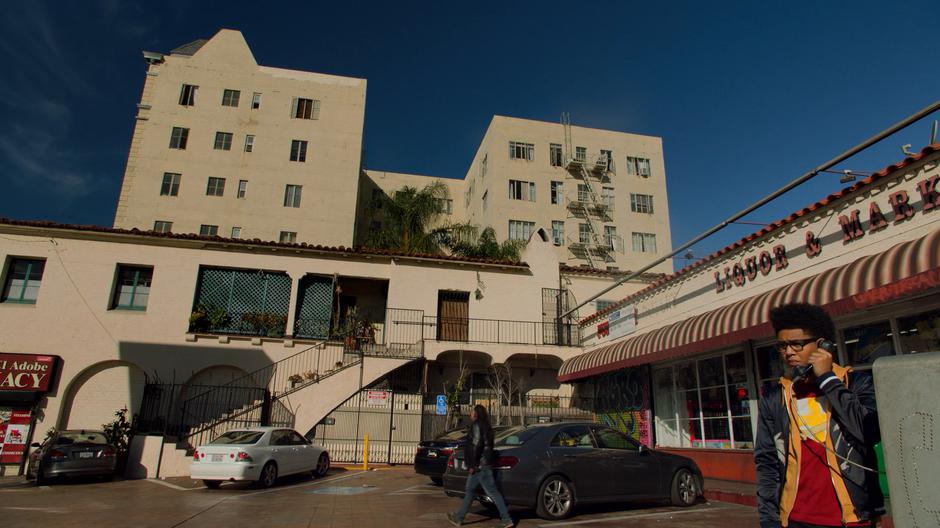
[199, 319]
[294, 379]
[218, 318]
[357, 329]
[311, 375]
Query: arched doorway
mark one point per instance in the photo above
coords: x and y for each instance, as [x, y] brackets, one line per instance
[99, 391]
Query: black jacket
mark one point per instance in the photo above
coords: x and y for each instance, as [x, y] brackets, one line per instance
[853, 431]
[479, 446]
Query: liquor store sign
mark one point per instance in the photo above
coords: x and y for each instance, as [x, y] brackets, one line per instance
[26, 372]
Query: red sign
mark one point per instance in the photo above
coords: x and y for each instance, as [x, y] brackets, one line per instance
[15, 431]
[26, 372]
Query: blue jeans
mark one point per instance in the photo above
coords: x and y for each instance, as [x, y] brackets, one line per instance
[483, 477]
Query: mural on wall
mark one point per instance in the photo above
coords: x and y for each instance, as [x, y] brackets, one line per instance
[622, 401]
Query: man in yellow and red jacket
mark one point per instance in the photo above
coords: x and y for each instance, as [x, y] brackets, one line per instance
[816, 431]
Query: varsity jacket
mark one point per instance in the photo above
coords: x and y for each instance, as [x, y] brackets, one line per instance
[852, 433]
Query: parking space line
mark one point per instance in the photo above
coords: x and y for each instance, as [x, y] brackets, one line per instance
[638, 516]
[173, 486]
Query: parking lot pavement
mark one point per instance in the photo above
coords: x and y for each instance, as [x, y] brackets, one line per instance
[344, 498]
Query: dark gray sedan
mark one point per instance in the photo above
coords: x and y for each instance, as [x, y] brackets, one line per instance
[71, 454]
[555, 467]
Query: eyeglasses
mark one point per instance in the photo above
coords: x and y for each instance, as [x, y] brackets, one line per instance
[795, 344]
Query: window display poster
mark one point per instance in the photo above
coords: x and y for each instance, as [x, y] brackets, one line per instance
[14, 430]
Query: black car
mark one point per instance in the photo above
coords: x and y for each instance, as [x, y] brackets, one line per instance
[431, 457]
[71, 454]
[555, 467]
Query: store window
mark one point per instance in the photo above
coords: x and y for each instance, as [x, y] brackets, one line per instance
[866, 343]
[770, 367]
[704, 403]
[920, 333]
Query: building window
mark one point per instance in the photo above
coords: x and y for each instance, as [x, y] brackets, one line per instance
[305, 108]
[866, 343]
[521, 190]
[638, 167]
[602, 304]
[288, 237]
[580, 153]
[555, 156]
[255, 101]
[704, 403]
[223, 141]
[558, 232]
[188, 95]
[298, 150]
[584, 233]
[644, 242]
[641, 203]
[242, 189]
[249, 143]
[208, 230]
[230, 97]
[178, 138]
[524, 151]
[610, 238]
[558, 191]
[292, 196]
[920, 333]
[607, 198]
[607, 158]
[216, 187]
[519, 230]
[171, 184]
[22, 282]
[613, 268]
[483, 199]
[162, 226]
[483, 166]
[132, 288]
[445, 205]
[236, 232]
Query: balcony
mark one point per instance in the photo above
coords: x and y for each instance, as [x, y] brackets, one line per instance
[467, 330]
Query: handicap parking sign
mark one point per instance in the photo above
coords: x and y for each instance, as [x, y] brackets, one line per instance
[441, 404]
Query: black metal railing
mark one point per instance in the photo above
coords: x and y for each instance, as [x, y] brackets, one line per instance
[461, 329]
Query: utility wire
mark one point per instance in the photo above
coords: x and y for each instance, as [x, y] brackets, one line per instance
[770, 197]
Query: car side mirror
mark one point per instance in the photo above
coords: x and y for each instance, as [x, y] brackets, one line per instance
[35, 444]
[644, 450]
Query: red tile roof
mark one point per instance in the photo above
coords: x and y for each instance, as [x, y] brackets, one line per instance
[362, 251]
[883, 173]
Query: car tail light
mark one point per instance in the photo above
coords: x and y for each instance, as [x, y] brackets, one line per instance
[196, 455]
[450, 461]
[447, 451]
[506, 462]
[107, 452]
[242, 457]
[55, 454]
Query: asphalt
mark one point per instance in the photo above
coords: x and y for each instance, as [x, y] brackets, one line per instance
[387, 497]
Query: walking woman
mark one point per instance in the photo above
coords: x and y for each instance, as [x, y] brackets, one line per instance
[479, 455]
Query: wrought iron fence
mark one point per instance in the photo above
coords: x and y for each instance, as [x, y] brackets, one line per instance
[501, 331]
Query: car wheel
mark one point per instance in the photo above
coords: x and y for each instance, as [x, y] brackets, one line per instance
[556, 498]
[212, 484]
[268, 475]
[685, 489]
[41, 479]
[438, 481]
[323, 465]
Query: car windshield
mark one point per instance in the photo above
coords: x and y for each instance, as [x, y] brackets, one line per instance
[80, 437]
[456, 434]
[514, 436]
[239, 437]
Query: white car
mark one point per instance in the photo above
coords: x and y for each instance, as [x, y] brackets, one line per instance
[259, 454]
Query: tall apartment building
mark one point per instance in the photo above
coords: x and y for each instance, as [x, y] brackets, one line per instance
[224, 146]
[601, 193]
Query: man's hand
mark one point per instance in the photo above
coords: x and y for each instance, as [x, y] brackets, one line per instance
[821, 361]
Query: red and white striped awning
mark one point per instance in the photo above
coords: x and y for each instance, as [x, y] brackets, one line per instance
[904, 269]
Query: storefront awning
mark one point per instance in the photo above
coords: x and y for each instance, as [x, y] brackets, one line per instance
[905, 269]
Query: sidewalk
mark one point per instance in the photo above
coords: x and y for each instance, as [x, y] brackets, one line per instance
[728, 491]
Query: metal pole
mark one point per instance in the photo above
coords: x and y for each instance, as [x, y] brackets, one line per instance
[772, 196]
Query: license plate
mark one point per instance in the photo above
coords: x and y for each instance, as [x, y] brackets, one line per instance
[216, 458]
[86, 454]
[432, 454]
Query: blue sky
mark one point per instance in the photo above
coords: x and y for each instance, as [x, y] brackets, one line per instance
[746, 95]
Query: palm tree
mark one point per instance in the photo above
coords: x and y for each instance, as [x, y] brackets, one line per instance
[407, 220]
[466, 240]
